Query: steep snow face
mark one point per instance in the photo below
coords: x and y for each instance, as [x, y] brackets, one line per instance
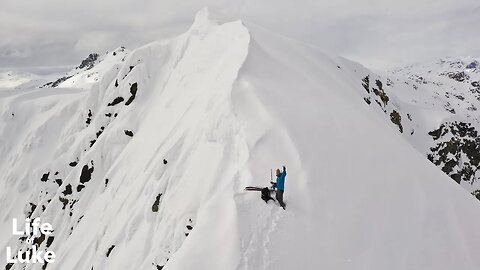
[124, 170]
[358, 196]
[146, 168]
[451, 85]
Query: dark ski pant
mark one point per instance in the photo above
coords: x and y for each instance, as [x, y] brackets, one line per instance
[279, 197]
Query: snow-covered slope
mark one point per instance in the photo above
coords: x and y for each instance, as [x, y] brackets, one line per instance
[17, 80]
[145, 168]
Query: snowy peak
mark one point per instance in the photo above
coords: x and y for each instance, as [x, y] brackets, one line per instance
[474, 65]
[445, 64]
[453, 82]
[201, 21]
[461, 64]
[89, 62]
[94, 58]
[90, 70]
[465, 69]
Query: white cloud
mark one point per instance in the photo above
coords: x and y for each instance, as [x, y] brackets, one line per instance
[378, 33]
[9, 52]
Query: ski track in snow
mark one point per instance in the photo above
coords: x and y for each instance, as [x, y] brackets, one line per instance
[263, 221]
[272, 228]
[256, 254]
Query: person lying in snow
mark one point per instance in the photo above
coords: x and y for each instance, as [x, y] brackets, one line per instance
[280, 186]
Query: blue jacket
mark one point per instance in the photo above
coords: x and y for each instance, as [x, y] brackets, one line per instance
[281, 180]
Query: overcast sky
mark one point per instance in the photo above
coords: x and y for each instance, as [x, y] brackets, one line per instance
[41, 34]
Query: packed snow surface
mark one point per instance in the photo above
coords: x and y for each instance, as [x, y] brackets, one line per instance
[146, 167]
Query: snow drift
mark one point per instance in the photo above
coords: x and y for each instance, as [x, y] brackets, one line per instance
[145, 168]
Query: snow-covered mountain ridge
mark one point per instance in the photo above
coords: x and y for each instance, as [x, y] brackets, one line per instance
[435, 106]
[145, 167]
[90, 70]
